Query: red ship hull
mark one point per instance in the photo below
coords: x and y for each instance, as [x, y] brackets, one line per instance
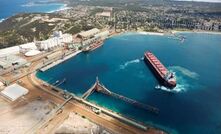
[159, 70]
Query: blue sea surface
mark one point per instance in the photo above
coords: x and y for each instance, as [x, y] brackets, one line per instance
[195, 106]
[11, 7]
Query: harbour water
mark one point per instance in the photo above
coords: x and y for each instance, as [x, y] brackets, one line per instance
[193, 108]
[12, 7]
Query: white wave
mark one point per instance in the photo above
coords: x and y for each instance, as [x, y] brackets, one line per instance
[177, 89]
[151, 33]
[31, 4]
[182, 83]
[1, 20]
[64, 7]
[185, 72]
[130, 62]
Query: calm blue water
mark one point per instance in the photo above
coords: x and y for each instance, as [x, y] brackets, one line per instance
[195, 107]
[12, 7]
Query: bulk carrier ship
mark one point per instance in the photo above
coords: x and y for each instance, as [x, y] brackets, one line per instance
[164, 76]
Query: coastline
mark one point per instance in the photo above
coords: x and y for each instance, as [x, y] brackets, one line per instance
[151, 33]
[138, 32]
[107, 112]
[182, 58]
[196, 31]
[63, 7]
[164, 33]
[59, 61]
[177, 31]
[1, 20]
[87, 104]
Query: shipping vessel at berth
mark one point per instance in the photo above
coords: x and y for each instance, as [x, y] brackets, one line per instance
[94, 46]
[164, 76]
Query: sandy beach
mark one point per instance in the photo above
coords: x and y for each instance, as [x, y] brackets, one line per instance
[151, 33]
[196, 31]
[173, 31]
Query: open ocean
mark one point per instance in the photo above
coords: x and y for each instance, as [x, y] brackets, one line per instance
[195, 106]
[11, 7]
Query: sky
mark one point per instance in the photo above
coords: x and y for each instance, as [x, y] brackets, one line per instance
[203, 0]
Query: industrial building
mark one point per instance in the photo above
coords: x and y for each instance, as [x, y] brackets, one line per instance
[54, 42]
[48, 44]
[102, 35]
[11, 61]
[17, 49]
[99, 36]
[88, 34]
[66, 38]
[89, 41]
[14, 91]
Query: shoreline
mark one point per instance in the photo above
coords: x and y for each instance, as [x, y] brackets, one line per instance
[196, 31]
[118, 116]
[164, 33]
[107, 112]
[151, 33]
[60, 61]
[1, 20]
[63, 7]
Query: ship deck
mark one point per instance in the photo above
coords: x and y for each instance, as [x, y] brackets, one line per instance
[158, 66]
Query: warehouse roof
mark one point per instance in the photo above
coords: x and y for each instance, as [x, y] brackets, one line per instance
[7, 61]
[89, 33]
[14, 92]
[32, 53]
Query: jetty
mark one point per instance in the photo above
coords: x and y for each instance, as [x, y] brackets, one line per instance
[100, 88]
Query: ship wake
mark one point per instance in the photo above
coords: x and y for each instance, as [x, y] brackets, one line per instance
[130, 62]
[184, 71]
[177, 89]
[182, 83]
